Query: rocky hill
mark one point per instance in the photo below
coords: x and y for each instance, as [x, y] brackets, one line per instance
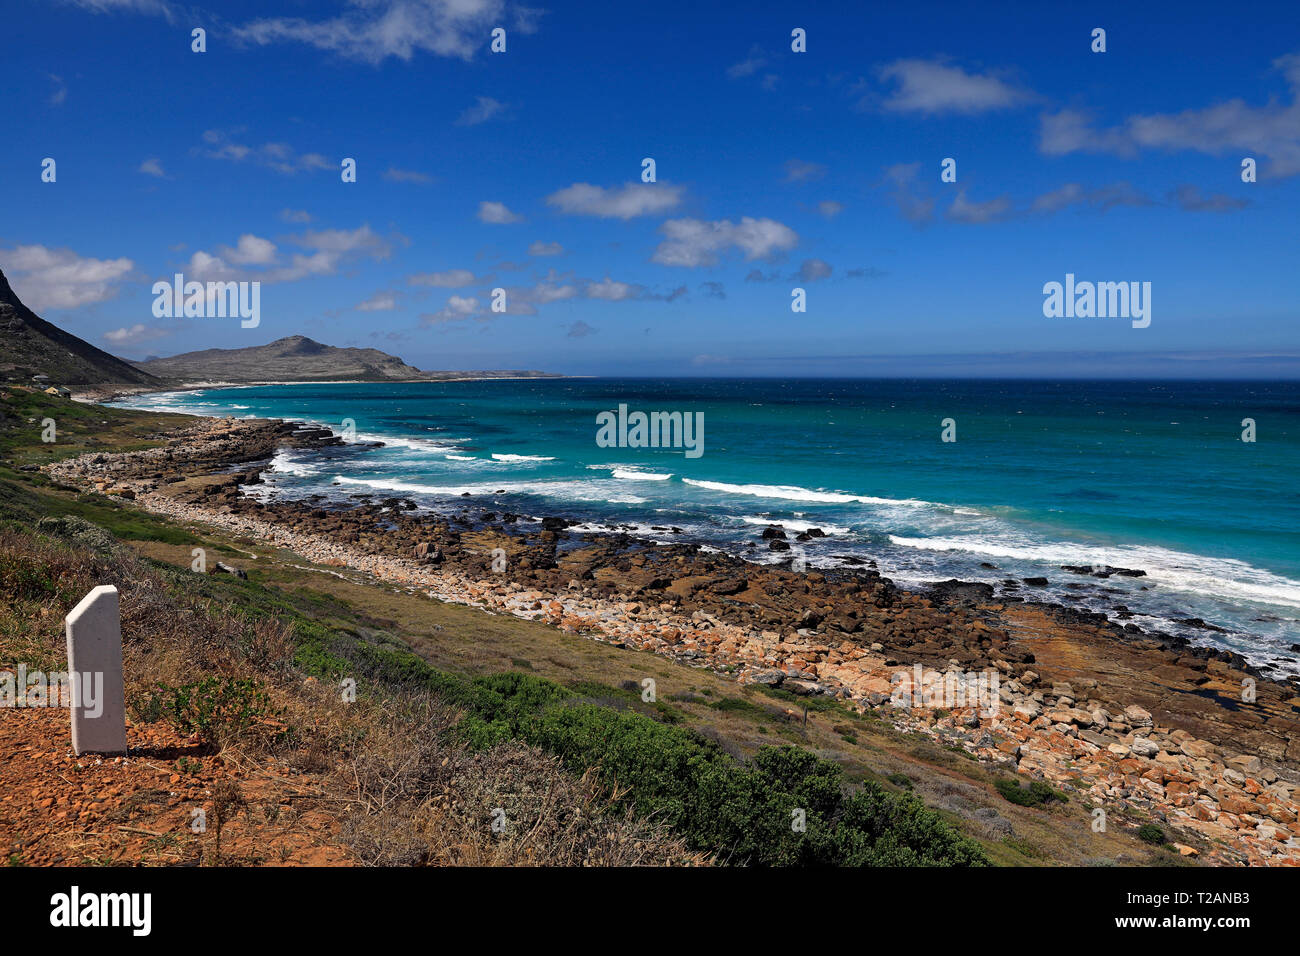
[32, 346]
[299, 359]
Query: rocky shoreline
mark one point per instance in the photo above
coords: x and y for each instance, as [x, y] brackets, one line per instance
[1151, 727]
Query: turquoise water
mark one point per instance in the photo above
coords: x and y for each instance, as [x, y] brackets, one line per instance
[1148, 475]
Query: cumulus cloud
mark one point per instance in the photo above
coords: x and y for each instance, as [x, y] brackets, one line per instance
[1271, 130]
[458, 309]
[626, 202]
[580, 329]
[60, 279]
[325, 251]
[696, 242]
[374, 30]
[610, 290]
[830, 208]
[295, 215]
[497, 213]
[135, 335]
[934, 87]
[540, 248]
[152, 167]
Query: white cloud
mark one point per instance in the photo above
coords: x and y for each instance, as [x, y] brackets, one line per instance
[135, 335]
[933, 87]
[60, 92]
[540, 248]
[1189, 198]
[977, 213]
[484, 108]
[379, 302]
[830, 208]
[327, 249]
[610, 290]
[1272, 130]
[60, 279]
[450, 279]
[626, 202]
[695, 242]
[457, 309]
[798, 170]
[902, 178]
[155, 7]
[281, 157]
[295, 215]
[374, 30]
[152, 167]
[250, 251]
[497, 213]
[1103, 197]
[394, 175]
[748, 66]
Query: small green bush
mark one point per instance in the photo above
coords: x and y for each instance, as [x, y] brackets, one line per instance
[1150, 833]
[1037, 794]
[218, 710]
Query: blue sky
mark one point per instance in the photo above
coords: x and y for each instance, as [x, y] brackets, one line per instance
[775, 170]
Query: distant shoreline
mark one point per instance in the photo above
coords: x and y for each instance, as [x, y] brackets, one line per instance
[108, 393]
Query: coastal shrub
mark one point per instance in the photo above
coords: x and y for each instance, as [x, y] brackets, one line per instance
[219, 710]
[1150, 833]
[1036, 794]
[742, 811]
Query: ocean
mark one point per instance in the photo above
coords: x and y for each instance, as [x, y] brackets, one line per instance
[1140, 475]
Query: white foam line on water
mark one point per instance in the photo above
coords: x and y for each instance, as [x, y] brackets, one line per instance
[794, 524]
[1225, 579]
[795, 493]
[565, 490]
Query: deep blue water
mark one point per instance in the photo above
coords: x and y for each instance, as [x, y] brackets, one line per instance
[1149, 475]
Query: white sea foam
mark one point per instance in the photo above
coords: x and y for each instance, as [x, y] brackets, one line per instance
[794, 524]
[1224, 579]
[285, 463]
[795, 493]
[563, 490]
[521, 458]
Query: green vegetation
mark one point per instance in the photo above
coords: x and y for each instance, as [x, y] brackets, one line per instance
[218, 710]
[1150, 833]
[1032, 793]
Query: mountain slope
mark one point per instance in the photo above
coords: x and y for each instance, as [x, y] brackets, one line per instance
[30, 346]
[297, 359]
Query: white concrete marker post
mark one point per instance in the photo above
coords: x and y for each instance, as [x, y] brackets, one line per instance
[94, 633]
